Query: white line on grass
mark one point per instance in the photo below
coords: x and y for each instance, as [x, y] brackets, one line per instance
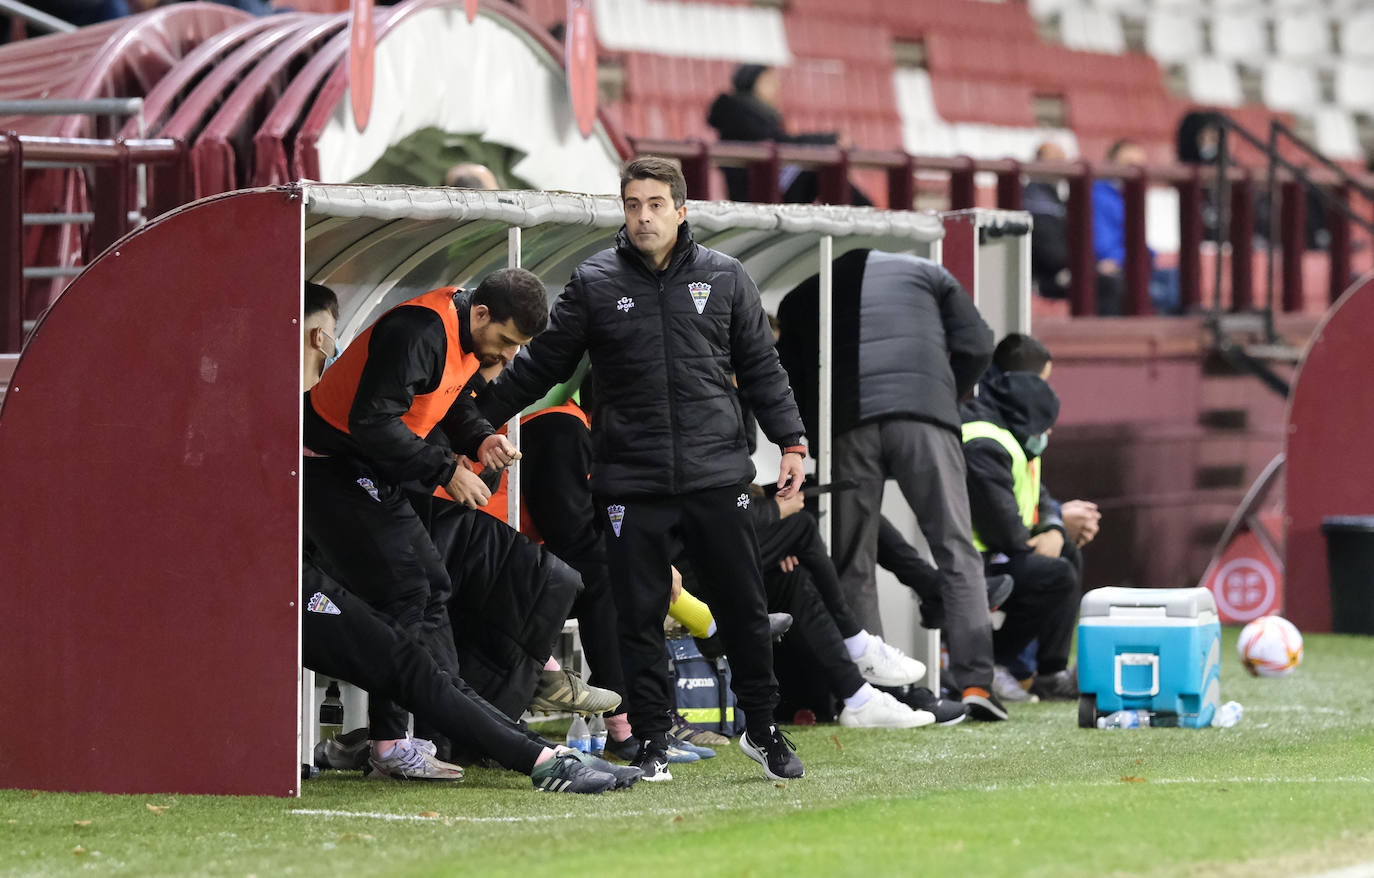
[532, 818]
[1359, 870]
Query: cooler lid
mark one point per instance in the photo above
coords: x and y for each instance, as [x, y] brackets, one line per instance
[1186, 603]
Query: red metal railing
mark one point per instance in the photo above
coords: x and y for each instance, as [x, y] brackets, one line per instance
[111, 189]
[763, 162]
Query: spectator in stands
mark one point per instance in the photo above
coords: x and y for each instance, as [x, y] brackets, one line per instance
[365, 424]
[343, 637]
[1050, 233]
[1006, 428]
[1109, 243]
[1079, 520]
[749, 112]
[907, 327]
[321, 346]
[1196, 143]
[470, 175]
[672, 467]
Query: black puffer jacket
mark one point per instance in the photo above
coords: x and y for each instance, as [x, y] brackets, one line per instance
[663, 346]
[909, 342]
[1025, 406]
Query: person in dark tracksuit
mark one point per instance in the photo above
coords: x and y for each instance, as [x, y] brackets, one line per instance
[364, 428]
[343, 637]
[667, 324]
[1006, 429]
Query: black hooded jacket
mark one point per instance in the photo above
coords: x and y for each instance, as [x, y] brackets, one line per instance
[908, 342]
[1023, 404]
[739, 115]
[664, 347]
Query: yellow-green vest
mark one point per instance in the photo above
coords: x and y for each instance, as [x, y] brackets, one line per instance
[1025, 474]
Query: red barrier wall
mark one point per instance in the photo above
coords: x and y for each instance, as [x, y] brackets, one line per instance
[149, 445]
[1330, 469]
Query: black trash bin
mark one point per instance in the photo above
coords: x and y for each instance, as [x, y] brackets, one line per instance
[1350, 560]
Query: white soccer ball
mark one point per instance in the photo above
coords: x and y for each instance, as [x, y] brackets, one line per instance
[1270, 646]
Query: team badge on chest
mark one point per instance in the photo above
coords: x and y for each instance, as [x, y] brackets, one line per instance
[700, 293]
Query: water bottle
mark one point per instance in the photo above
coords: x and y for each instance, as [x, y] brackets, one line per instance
[579, 736]
[1125, 719]
[598, 731]
[1227, 715]
[331, 712]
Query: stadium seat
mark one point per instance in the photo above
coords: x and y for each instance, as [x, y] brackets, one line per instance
[1173, 36]
[734, 33]
[1357, 34]
[1091, 28]
[1354, 83]
[1213, 81]
[1335, 134]
[1239, 36]
[1302, 35]
[1286, 85]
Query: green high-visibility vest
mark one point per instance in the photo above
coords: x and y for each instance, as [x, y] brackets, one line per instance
[1025, 474]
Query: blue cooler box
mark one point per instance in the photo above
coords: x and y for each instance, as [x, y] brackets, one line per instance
[1155, 649]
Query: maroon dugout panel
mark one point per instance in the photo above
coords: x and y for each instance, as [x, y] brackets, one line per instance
[149, 538]
[1330, 468]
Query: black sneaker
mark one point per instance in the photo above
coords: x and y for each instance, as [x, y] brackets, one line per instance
[565, 773]
[626, 750]
[774, 753]
[947, 712]
[999, 589]
[625, 776]
[348, 751]
[652, 763]
[1059, 686]
[713, 647]
[983, 705]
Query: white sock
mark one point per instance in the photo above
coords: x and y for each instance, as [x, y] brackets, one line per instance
[860, 697]
[857, 645]
[711, 629]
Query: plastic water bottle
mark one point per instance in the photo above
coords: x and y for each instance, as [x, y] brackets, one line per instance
[331, 713]
[579, 736]
[1227, 715]
[598, 731]
[1125, 719]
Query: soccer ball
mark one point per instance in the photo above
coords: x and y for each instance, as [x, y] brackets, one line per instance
[1270, 647]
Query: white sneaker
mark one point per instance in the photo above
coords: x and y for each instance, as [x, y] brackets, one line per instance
[885, 665]
[882, 711]
[1008, 688]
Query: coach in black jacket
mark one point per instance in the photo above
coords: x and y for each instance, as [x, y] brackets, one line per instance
[908, 343]
[668, 324]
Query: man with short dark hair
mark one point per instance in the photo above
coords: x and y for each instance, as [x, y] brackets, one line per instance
[667, 324]
[320, 318]
[365, 427]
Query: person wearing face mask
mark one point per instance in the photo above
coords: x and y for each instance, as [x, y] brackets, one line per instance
[321, 343]
[1006, 428]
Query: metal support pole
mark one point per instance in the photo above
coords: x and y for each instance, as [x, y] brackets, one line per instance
[1082, 260]
[1294, 228]
[1242, 242]
[825, 378]
[962, 192]
[110, 200]
[901, 186]
[172, 183]
[1137, 267]
[11, 243]
[1339, 225]
[834, 181]
[513, 425]
[50, 23]
[696, 169]
[764, 179]
[1009, 187]
[1190, 241]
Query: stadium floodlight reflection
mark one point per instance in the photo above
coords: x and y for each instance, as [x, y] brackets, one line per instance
[150, 446]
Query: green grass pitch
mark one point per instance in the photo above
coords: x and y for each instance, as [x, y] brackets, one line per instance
[1290, 791]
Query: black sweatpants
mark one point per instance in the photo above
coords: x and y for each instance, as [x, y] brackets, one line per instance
[343, 637]
[901, 559]
[798, 535]
[813, 626]
[1043, 606]
[715, 530]
[366, 536]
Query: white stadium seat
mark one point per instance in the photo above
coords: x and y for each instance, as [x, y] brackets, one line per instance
[1357, 35]
[1290, 87]
[1091, 28]
[1355, 86]
[1172, 36]
[1304, 35]
[699, 30]
[1213, 81]
[1239, 36]
[1335, 134]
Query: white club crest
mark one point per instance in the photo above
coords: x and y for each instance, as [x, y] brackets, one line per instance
[616, 514]
[321, 604]
[700, 293]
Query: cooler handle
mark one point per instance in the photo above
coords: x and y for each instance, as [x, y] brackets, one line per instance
[1136, 659]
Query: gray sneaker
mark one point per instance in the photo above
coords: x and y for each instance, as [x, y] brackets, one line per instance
[1059, 686]
[566, 691]
[411, 759]
[1008, 688]
[566, 773]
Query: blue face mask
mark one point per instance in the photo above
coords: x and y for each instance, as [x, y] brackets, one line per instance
[1036, 445]
[329, 360]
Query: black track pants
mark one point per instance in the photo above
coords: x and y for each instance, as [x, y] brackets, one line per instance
[798, 535]
[715, 530]
[813, 627]
[1043, 605]
[343, 637]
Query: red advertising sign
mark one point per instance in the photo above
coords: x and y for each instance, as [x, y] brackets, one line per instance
[581, 63]
[362, 46]
[471, 7]
[1247, 579]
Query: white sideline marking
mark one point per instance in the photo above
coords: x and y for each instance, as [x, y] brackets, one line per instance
[452, 818]
[1359, 870]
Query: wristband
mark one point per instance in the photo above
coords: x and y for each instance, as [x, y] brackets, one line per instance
[795, 449]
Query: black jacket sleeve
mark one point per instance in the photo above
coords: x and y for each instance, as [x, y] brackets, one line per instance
[405, 358]
[1049, 509]
[967, 335]
[992, 498]
[549, 358]
[556, 456]
[762, 380]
